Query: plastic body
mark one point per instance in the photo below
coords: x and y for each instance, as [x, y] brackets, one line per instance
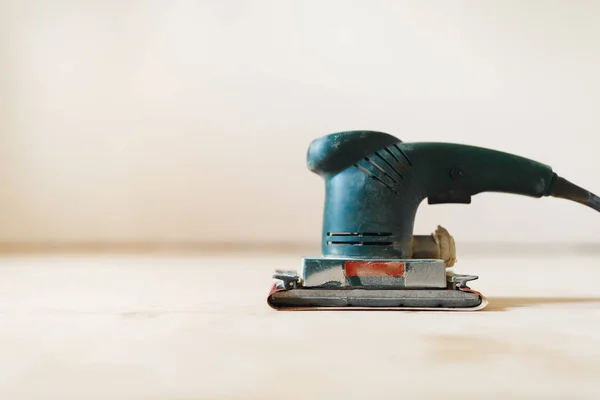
[375, 183]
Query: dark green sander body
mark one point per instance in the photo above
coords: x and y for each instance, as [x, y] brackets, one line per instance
[374, 184]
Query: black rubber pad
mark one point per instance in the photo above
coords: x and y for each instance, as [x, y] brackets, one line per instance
[443, 298]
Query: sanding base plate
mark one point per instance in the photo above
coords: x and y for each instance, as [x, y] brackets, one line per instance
[375, 299]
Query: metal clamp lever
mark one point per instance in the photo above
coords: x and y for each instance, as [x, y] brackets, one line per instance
[290, 279]
[460, 281]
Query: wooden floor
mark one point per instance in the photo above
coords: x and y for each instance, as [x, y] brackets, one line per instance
[193, 327]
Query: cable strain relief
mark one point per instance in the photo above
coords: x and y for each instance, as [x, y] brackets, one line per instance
[551, 185]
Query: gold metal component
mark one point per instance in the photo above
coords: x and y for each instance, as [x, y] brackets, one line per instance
[439, 245]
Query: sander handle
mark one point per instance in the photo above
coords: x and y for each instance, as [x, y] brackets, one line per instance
[452, 173]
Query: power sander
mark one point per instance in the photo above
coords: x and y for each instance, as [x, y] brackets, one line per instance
[374, 184]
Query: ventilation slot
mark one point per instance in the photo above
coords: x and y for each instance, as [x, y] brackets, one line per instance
[389, 164]
[359, 234]
[383, 171]
[400, 163]
[375, 178]
[361, 243]
[404, 154]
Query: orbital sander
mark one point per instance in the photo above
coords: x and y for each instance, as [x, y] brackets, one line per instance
[374, 184]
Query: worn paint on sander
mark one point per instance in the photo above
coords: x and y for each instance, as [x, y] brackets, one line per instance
[374, 184]
[374, 268]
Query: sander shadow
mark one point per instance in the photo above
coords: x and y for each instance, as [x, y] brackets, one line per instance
[507, 303]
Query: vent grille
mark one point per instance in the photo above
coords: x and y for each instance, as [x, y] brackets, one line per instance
[361, 243]
[388, 167]
[360, 238]
[359, 234]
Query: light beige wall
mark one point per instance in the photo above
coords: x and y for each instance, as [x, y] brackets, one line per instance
[189, 121]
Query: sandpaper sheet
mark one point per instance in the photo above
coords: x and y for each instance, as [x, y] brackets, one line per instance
[275, 289]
